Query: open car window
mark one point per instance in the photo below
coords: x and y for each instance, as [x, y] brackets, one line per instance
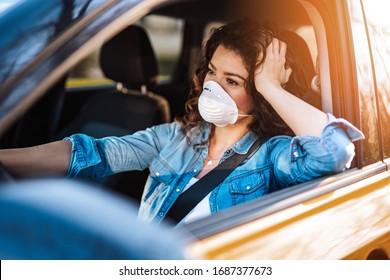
[166, 37]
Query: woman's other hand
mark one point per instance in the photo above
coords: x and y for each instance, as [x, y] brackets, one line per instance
[273, 73]
[269, 81]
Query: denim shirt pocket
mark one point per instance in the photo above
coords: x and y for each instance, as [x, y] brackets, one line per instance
[161, 176]
[247, 186]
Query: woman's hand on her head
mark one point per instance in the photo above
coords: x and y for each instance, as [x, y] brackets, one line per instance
[272, 73]
[270, 78]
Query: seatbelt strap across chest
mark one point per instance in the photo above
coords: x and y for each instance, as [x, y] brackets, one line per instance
[191, 197]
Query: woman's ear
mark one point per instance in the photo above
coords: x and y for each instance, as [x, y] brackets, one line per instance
[315, 84]
[288, 73]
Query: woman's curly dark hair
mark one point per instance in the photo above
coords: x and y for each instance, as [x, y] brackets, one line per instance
[248, 39]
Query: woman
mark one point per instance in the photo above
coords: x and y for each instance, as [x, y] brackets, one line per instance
[237, 97]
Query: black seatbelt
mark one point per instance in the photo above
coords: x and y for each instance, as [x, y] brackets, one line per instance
[191, 197]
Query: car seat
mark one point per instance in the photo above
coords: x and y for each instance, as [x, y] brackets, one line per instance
[299, 59]
[129, 60]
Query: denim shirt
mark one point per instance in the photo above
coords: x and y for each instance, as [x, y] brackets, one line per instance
[173, 159]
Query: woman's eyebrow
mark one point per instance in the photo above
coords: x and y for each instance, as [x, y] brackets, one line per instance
[228, 73]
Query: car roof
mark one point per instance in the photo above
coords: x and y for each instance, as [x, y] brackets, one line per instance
[225, 10]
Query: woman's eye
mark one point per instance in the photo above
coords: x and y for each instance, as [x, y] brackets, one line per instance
[232, 82]
[210, 72]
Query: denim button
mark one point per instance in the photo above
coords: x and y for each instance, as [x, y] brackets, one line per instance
[295, 154]
[177, 190]
[157, 173]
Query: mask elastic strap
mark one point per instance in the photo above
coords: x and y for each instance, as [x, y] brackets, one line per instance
[243, 115]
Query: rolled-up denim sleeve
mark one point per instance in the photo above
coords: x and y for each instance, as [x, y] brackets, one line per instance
[99, 158]
[309, 157]
[86, 159]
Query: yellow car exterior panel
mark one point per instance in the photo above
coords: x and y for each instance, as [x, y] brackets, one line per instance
[333, 226]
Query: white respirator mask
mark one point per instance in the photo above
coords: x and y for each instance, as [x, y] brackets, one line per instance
[216, 106]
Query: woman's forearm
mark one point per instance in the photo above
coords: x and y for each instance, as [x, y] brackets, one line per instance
[47, 159]
[300, 116]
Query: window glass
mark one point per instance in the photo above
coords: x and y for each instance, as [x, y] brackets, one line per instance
[378, 25]
[209, 27]
[88, 73]
[35, 24]
[365, 76]
[166, 36]
[7, 4]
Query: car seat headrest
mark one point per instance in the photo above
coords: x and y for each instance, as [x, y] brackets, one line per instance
[129, 58]
[299, 58]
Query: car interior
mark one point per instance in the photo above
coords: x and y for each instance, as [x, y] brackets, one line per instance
[128, 59]
[136, 97]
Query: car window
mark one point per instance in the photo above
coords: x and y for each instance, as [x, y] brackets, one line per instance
[379, 33]
[5, 5]
[209, 27]
[165, 34]
[41, 23]
[371, 55]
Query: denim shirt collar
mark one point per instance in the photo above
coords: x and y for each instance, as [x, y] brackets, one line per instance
[244, 144]
[240, 147]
